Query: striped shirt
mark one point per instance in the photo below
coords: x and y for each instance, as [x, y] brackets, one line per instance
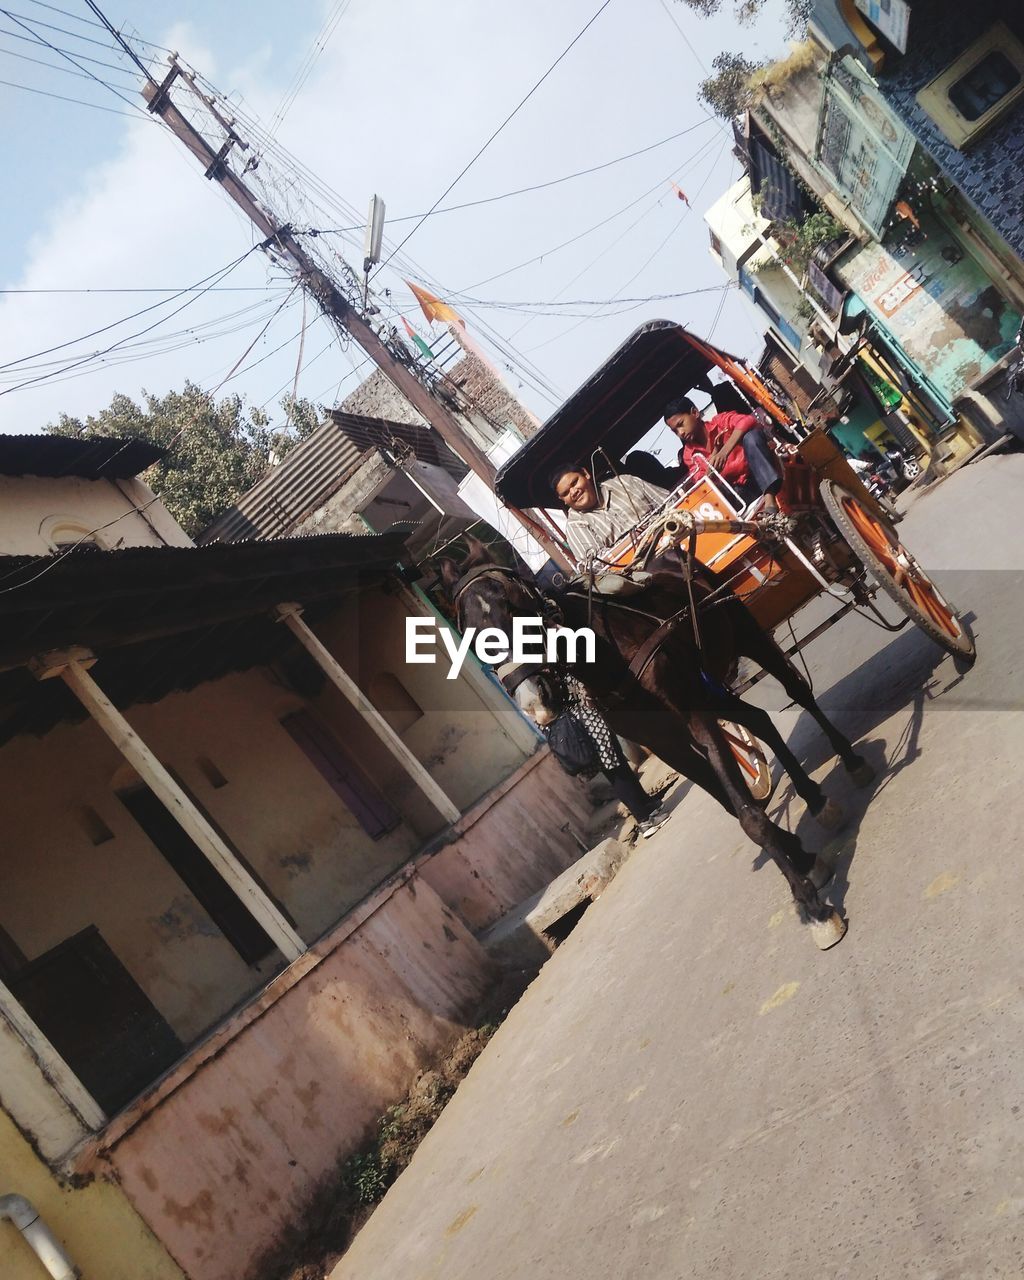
[623, 501]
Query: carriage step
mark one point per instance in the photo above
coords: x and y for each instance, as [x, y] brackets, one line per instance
[527, 935]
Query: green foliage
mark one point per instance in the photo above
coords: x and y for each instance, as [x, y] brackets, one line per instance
[363, 1177]
[216, 450]
[729, 92]
[799, 240]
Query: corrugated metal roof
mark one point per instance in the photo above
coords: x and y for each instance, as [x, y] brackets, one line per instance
[166, 618]
[97, 458]
[316, 468]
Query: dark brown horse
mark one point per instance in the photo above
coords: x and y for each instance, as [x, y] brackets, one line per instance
[674, 704]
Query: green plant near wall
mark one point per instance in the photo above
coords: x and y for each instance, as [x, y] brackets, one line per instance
[798, 241]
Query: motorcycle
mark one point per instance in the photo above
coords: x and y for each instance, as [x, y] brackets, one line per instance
[903, 465]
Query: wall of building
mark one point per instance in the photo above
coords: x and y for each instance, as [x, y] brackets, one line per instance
[33, 506]
[292, 828]
[949, 317]
[96, 1224]
[989, 171]
[469, 736]
[226, 1164]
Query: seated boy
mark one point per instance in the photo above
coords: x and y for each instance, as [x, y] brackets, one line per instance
[733, 443]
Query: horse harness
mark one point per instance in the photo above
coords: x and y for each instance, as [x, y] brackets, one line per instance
[513, 674]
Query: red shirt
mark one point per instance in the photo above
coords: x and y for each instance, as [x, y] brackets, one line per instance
[717, 430]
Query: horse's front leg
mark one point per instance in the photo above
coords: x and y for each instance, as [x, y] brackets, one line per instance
[783, 847]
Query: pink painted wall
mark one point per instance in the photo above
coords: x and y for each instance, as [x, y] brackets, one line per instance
[229, 1160]
[515, 848]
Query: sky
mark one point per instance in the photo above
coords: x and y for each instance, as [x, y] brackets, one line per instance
[383, 96]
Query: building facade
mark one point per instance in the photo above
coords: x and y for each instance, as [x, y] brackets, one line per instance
[247, 853]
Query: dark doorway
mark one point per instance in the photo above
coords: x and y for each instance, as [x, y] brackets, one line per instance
[219, 900]
[97, 1017]
[338, 767]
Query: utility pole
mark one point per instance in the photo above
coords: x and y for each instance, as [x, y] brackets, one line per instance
[280, 239]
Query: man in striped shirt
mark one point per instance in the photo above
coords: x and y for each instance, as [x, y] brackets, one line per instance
[599, 514]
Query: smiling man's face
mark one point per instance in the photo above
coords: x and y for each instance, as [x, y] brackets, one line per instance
[576, 490]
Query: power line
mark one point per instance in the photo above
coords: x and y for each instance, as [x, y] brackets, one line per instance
[75, 35]
[157, 345]
[85, 58]
[41, 62]
[511, 116]
[320, 43]
[521, 191]
[103, 25]
[62, 97]
[222, 288]
[647, 262]
[590, 230]
[200, 287]
[85, 359]
[64, 54]
[108, 26]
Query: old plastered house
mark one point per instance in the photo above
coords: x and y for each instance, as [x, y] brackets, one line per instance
[244, 853]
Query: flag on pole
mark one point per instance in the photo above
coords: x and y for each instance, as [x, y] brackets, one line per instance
[417, 340]
[681, 194]
[433, 308]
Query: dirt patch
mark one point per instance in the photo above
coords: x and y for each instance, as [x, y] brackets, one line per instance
[348, 1198]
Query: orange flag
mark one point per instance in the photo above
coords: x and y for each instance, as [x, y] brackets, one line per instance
[433, 308]
[681, 194]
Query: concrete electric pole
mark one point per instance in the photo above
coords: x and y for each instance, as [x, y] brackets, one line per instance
[281, 241]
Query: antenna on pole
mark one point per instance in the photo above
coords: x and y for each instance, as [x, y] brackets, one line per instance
[372, 244]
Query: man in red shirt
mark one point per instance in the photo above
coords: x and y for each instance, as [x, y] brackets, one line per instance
[733, 443]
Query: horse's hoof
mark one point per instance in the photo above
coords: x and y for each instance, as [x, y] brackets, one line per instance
[826, 933]
[830, 816]
[863, 775]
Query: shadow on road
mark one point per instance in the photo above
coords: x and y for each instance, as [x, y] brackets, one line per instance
[904, 676]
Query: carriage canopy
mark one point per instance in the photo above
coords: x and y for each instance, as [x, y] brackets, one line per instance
[614, 408]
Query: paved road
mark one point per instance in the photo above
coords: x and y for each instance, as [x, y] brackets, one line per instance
[691, 1089]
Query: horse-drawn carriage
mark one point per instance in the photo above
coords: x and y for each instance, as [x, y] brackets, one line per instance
[668, 646]
[843, 543]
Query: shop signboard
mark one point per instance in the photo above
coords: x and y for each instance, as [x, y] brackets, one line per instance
[890, 18]
[937, 302]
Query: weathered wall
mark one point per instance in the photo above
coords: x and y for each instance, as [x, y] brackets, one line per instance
[295, 832]
[469, 736]
[96, 1224]
[224, 1165]
[484, 873]
[937, 302]
[28, 504]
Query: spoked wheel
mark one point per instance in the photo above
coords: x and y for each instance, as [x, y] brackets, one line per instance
[751, 758]
[897, 572]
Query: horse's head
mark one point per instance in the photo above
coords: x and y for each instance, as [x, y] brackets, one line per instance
[488, 594]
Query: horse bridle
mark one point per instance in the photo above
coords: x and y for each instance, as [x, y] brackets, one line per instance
[511, 674]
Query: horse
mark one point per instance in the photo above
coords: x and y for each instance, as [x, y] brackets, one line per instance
[664, 685]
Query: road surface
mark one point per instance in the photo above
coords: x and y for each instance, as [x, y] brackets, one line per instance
[691, 1089]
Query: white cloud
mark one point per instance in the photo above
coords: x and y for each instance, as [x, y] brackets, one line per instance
[398, 102]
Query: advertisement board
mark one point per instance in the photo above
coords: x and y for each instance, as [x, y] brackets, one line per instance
[936, 301]
[890, 18]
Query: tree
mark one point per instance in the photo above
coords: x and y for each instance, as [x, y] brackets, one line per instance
[215, 451]
[730, 91]
[747, 10]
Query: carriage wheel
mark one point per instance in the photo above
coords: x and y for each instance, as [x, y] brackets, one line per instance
[897, 572]
[751, 758]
